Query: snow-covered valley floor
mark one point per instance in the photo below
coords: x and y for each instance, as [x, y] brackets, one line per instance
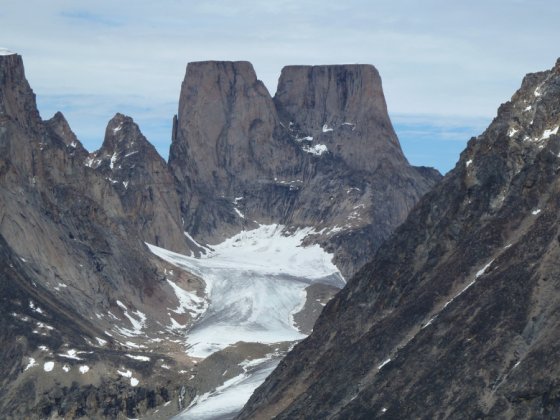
[255, 283]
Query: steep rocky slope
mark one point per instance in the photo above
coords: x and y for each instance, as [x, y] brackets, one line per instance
[457, 315]
[321, 154]
[82, 297]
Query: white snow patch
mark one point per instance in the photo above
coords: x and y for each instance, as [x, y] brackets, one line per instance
[254, 282]
[528, 108]
[30, 364]
[207, 249]
[326, 128]
[5, 51]
[138, 321]
[48, 366]
[188, 302]
[131, 153]
[547, 133]
[66, 368]
[239, 213]
[512, 131]
[483, 270]
[468, 163]
[126, 373]
[383, 364]
[113, 160]
[140, 358]
[125, 183]
[316, 150]
[537, 92]
[71, 354]
[84, 369]
[100, 341]
[35, 308]
[134, 381]
[306, 138]
[117, 128]
[535, 212]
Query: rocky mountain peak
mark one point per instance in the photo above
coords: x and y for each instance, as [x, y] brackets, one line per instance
[17, 100]
[225, 126]
[60, 130]
[342, 108]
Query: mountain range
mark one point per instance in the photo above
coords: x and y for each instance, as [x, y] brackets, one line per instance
[132, 286]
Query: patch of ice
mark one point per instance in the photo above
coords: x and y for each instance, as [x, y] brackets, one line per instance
[30, 364]
[306, 138]
[547, 133]
[188, 302]
[48, 366]
[535, 212]
[113, 160]
[316, 150]
[140, 358]
[84, 369]
[44, 326]
[126, 373]
[383, 364]
[254, 282]
[483, 270]
[100, 341]
[71, 354]
[537, 92]
[239, 213]
[326, 128]
[229, 398]
[207, 249]
[35, 308]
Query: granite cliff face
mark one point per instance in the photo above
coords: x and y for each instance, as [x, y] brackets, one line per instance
[82, 296]
[456, 315]
[322, 154]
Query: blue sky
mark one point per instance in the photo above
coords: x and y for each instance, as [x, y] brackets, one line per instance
[446, 65]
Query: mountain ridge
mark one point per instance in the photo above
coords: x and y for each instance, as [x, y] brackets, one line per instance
[454, 316]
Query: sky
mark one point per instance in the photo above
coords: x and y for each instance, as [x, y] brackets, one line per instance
[446, 65]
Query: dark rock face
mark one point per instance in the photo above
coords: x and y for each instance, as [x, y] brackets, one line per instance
[243, 158]
[342, 107]
[456, 315]
[70, 261]
[143, 182]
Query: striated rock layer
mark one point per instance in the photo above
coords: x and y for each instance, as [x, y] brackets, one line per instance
[457, 314]
[322, 153]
